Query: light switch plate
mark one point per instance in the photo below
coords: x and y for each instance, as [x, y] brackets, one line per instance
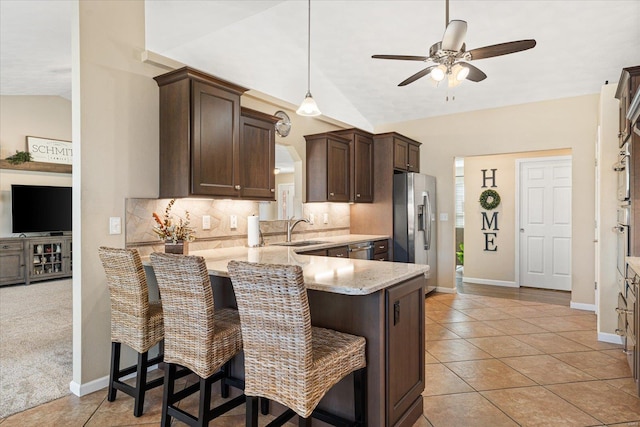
[444, 217]
[115, 225]
[206, 222]
[233, 221]
[325, 218]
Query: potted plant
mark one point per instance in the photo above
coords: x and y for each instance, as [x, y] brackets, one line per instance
[175, 234]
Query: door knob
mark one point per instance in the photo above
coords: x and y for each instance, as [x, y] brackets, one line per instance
[522, 230]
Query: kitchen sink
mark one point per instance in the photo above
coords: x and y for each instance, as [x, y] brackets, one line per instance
[299, 243]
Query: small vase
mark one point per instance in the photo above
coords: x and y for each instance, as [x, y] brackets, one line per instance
[179, 247]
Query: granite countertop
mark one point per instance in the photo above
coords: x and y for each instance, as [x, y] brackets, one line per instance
[634, 263]
[337, 275]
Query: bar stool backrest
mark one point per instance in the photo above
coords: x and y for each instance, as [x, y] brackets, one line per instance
[129, 295]
[276, 328]
[188, 307]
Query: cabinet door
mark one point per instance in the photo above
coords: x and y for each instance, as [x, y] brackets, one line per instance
[257, 158]
[413, 165]
[400, 154]
[11, 263]
[337, 171]
[405, 347]
[363, 169]
[214, 141]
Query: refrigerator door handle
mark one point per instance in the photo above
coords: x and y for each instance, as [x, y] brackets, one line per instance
[426, 225]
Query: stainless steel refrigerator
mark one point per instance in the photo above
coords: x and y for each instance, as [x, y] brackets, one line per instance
[414, 222]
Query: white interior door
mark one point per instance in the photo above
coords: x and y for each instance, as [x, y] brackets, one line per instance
[545, 223]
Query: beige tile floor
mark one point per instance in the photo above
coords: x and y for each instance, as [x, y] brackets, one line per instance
[489, 362]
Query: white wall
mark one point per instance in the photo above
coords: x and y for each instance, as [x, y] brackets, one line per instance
[493, 266]
[115, 143]
[608, 155]
[556, 124]
[22, 116]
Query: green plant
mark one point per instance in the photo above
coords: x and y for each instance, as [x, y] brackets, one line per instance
[460, 254]
[19, 157]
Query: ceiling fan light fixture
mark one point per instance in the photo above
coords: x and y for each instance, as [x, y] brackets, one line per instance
[438, 73]
[460, 72]
[308, 108]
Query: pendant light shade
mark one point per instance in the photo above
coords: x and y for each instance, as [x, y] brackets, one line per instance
[308, 107]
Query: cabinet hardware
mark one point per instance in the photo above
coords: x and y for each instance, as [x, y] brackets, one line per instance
[396, 312]
[623, 311]
[358, 195]
[332, 194]
[620, 332]
[340, 255]
[5, 247]
[273, 190]
[237, 187]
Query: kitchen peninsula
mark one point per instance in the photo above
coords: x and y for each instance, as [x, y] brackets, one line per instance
[382, 301]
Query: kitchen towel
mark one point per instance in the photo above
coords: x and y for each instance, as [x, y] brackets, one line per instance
[253, 231]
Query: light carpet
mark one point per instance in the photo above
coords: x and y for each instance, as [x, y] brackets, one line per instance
[35, 344]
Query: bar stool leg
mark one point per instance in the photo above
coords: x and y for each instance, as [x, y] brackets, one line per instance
[167, 395]
[224, 387]
[264, 406]
[115, 369]
[360, 396]
[304, 422]
[252, 411]
[205, 402]
[141, 383]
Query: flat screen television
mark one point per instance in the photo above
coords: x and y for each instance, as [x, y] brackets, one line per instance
[40, 208]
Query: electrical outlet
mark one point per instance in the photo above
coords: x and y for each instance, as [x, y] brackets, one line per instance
[206, 222]
[233, 221]
[311, 218]
[115, 225]
[325, 218]
[444, 217]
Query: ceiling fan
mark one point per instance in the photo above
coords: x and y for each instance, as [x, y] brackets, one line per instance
[451, 57]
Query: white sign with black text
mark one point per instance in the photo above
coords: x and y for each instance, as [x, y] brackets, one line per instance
[50, 150]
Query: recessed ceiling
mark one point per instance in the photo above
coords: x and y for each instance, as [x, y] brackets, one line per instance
[262, 45]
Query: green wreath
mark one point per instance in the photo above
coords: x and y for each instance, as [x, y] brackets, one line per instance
[489, 199]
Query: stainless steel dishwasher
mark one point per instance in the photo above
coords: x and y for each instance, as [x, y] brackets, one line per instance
[361, 250]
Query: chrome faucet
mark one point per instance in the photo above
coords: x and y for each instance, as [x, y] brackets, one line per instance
[291, 226]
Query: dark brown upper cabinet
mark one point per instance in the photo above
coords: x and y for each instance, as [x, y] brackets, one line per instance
[328, 168]
[257, 155]
[361, 151]
[199, 135]
[406, 152]
[627, 86]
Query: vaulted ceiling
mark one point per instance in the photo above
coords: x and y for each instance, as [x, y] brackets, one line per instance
[263, 45]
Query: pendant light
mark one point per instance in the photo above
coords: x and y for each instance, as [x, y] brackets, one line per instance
[309, 107]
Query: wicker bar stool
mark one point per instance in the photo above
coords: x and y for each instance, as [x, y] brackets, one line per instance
[135, 322]
[286, 359]
[197, 337]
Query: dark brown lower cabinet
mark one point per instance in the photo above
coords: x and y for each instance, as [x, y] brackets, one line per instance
[392, 322]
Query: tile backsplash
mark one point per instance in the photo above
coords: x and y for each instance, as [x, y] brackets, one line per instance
[139, 222]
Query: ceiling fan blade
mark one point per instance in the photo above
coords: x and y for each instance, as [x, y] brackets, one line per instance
[475, 74]
[417, 75]
[501, 49]
[401, 57]
[454, 35]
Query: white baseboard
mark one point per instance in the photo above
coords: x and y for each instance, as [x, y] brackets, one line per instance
[610, 338]
[445, 290]
[98, 384]
[581, 306]
[88, 388]
[504, 283]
